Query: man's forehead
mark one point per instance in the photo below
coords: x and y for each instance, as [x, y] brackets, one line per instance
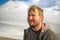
[33, 11]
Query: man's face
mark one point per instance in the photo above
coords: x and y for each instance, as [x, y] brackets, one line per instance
[33, 18]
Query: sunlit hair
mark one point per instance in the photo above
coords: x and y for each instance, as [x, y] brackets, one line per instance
[33, 7]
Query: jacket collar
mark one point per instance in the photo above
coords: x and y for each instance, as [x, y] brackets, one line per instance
[44, 28]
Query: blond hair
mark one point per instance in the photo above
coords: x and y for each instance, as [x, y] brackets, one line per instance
[33, 7]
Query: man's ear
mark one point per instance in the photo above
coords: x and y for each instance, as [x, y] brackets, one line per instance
[41, 18]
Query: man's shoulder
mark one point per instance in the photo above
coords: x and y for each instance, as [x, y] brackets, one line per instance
[50, 34]
[27, 29]
[47, 33]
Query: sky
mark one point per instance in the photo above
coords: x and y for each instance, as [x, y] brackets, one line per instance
[13, 16]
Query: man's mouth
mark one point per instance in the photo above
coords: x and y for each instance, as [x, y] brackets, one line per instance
[31, 21]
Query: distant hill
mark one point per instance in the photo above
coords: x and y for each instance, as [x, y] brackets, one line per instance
[6, 38]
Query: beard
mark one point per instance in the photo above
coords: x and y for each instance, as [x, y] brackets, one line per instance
[34, 25]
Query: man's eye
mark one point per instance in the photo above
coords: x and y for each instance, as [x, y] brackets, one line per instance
[33, 15]
[29, 15]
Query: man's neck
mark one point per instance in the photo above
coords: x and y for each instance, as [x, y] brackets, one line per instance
[37, 28]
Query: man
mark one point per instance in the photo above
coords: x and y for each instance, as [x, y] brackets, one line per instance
[37, 30]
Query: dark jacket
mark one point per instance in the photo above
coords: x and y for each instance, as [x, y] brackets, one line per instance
[46, 33]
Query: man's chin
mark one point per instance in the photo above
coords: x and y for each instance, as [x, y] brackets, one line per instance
[32, 26]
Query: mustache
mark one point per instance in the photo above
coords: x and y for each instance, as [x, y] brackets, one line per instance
[31, 20]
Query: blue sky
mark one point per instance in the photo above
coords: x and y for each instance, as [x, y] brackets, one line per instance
[42, 3]
[3, 2]
[47, 3]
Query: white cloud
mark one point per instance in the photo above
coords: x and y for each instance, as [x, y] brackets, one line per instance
[14, 0]
[57, 2]
[52, 18]
[51, 14]
[14, 10]
[11, 33]
[35, 2]
[13, 13]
